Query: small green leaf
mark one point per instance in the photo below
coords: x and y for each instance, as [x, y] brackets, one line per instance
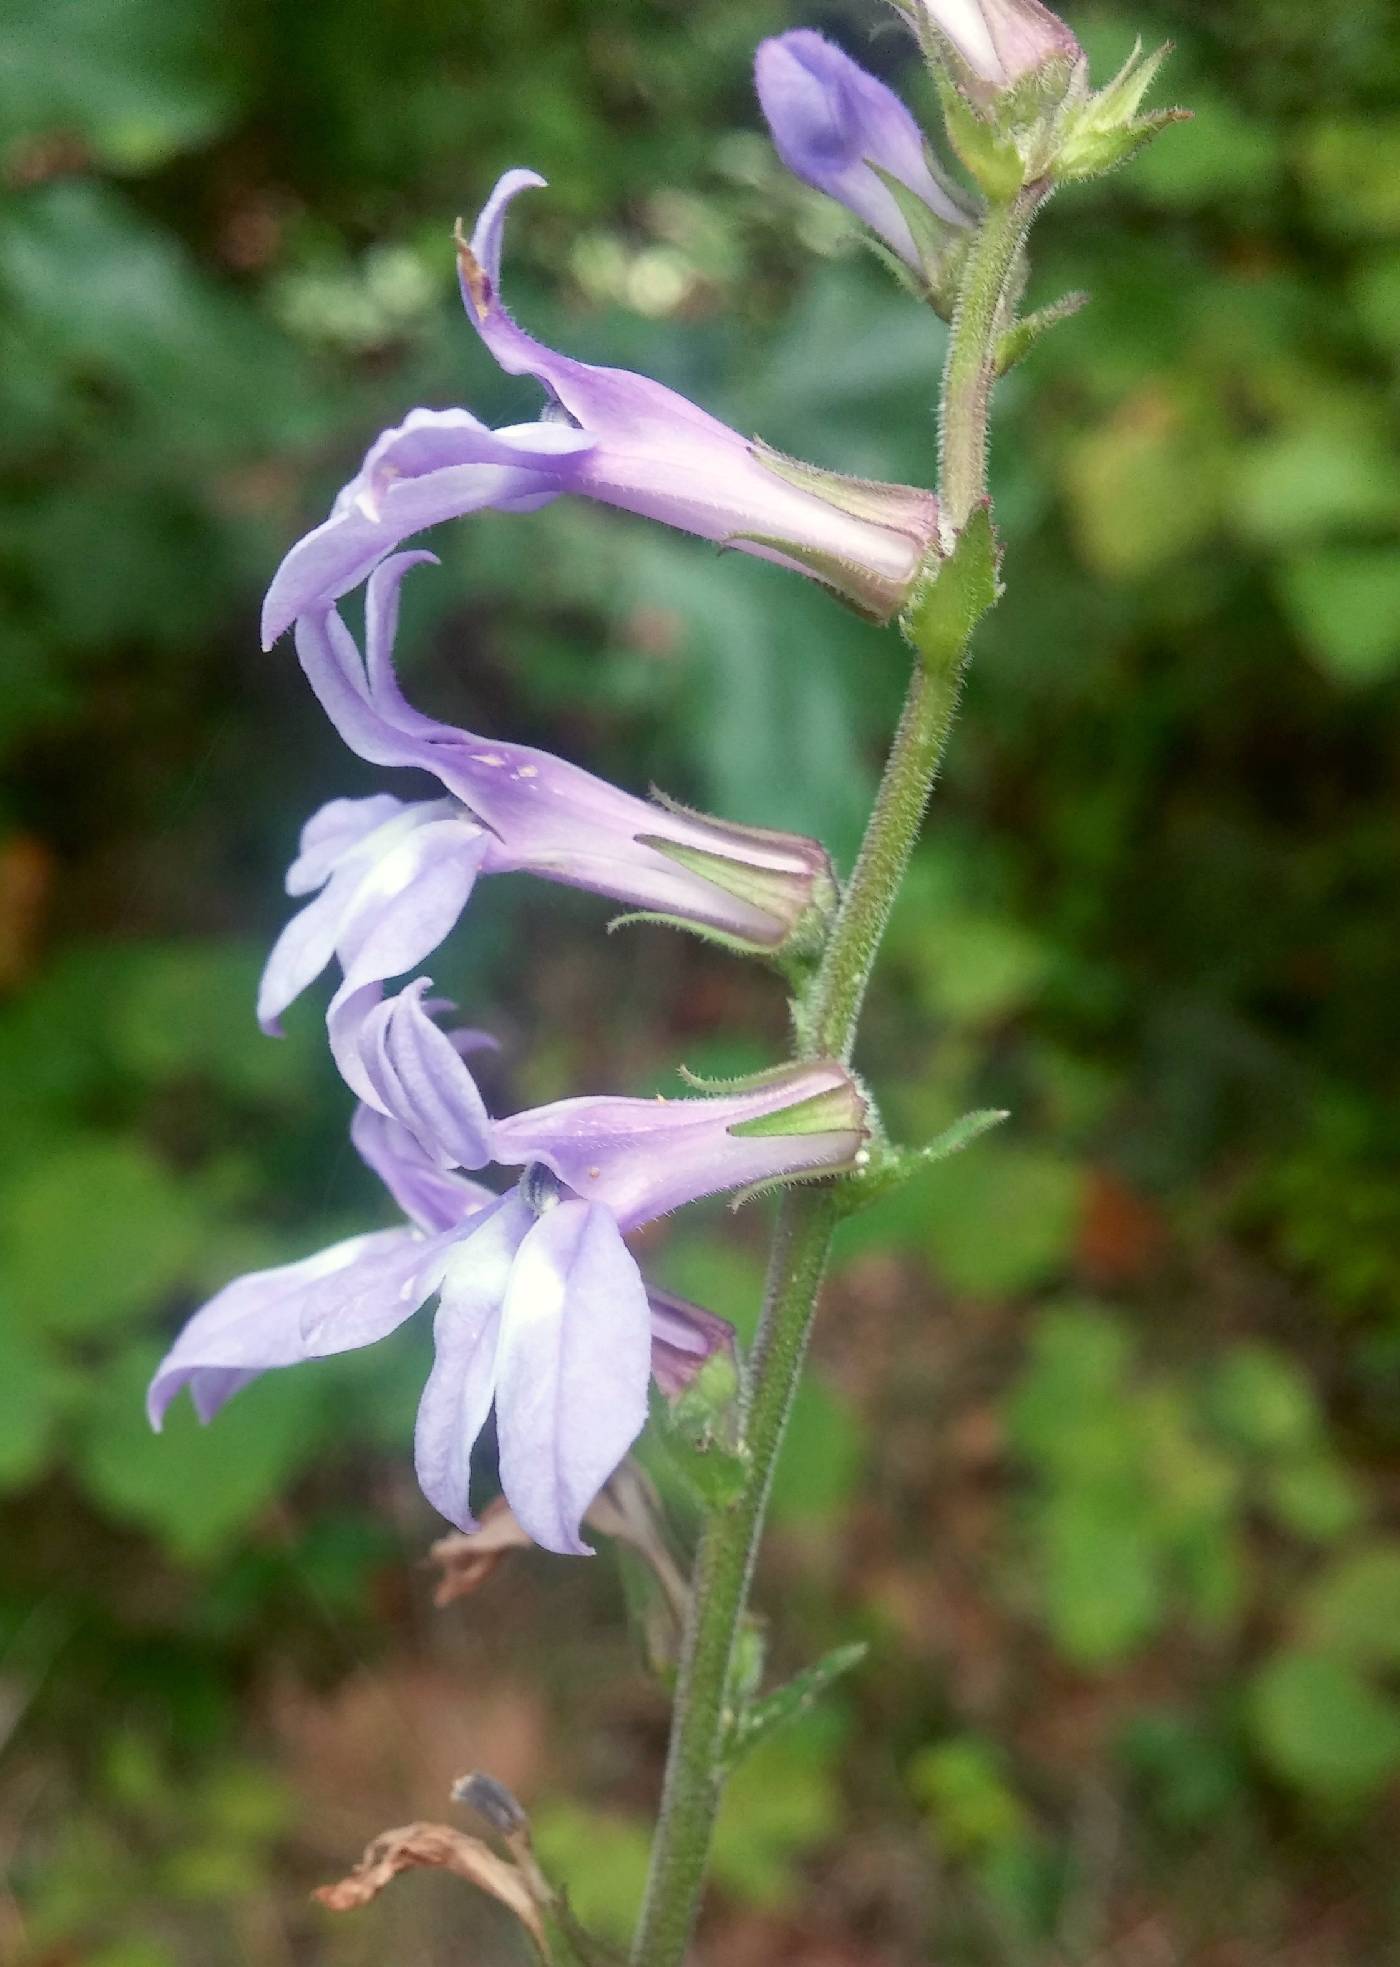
[786, 1704]
[1353, 1611]
[32, 1394]
[1260, 1399]
[1345, 603]
[952, 598]
[1321, 1727]
[95, 1234]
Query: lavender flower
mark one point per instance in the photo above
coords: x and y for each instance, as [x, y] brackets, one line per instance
[843, 132]
[659, 455]
[541, 1308]
[616, 437]
[394, 878]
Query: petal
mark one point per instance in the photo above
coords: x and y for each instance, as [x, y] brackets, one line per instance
[303, 949]
[430, 1196]
[436, 465]
[571, 1369]
[683, 1337]
[419, 1078]
[381, 627]
[328, 655]
[409, 899]
[457, 1397]
[331, 833]
[342, 1298]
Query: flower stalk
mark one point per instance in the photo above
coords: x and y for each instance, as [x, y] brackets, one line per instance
[827, 1022]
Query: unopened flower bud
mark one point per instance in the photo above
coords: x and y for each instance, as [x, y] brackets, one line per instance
[994, 45]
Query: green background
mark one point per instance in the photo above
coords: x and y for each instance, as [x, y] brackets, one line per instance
[1099, 1450]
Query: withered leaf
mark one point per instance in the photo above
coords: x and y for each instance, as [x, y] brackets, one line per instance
[439, 1846]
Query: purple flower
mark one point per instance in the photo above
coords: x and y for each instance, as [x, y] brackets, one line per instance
[395, 877]
[542, 1311]
[840, 130]
[657, 454]
[616, 437]
[996, 42]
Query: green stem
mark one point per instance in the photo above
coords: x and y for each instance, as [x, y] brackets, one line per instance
[807, 1220]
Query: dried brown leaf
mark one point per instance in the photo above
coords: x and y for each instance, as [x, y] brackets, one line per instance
[440, 1847]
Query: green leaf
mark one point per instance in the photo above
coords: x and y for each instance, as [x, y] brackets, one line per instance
[789, 1703]
[1260, 1399]
[1321, 1727]
[1345, 604]
[33, 1390]
[1002, 1220]
[1103, 1584]
[95, 1234]
[196, 1488]
[1353, 1611]
[137, 80]
[962, 1783]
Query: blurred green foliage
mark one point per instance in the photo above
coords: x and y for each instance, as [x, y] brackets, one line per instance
[1133, 1658]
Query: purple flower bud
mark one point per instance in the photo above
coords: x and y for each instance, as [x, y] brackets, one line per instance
[397, 877]
[840, 130]
[542, 1311]
[996, 42]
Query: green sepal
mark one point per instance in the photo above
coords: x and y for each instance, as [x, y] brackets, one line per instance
[756, 886]
[941, 246]
[657, 919]
[953, 595]
[760, 1719]
[991, 157]
[699, 1434]
[1018, 341]
[828, 1112]
[740, 1082]
[1106, 130]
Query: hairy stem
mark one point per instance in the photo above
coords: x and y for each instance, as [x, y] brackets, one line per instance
[807, 1219]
